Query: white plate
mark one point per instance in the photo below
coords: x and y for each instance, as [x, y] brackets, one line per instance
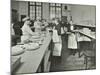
[35, 37]
[17, 50]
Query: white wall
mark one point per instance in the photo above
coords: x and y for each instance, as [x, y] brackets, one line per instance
[82, 13]
[21, 7]
[66, 12]
[15, 5]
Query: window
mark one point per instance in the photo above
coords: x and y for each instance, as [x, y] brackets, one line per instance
[35, 10]
[55, 10]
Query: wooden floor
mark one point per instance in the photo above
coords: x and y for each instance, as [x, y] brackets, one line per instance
[69, 62]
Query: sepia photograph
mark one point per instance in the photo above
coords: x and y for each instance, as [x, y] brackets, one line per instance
[52, 37]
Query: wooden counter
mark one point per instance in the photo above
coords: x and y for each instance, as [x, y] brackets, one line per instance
[87, 35]
[90, 36]
[31, 60]
[82, 25]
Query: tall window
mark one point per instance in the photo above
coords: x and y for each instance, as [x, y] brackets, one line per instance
[55, 10]
[35, 10]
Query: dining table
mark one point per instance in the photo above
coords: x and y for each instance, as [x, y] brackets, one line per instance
[36, 60]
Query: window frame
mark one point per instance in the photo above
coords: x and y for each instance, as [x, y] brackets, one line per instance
[55, 6]
[35, 5]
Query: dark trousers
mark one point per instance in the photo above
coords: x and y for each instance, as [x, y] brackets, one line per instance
[64, 38]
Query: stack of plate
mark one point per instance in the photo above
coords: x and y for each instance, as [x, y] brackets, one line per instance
[16, 50]
[36, 34]
[35, 37]
[31, 46]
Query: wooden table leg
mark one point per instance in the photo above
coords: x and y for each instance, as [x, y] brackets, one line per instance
[86, 62]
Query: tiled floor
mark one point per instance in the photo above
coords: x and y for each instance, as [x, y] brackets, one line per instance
[69, 62]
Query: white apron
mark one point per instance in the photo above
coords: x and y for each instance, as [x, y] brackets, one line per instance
[62, 30]
[72, 42]
[57, 43]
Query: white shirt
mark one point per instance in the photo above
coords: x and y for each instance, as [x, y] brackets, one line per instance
[26, 30]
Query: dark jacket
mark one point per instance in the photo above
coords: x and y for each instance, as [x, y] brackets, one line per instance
[58, 28]
[17, 28]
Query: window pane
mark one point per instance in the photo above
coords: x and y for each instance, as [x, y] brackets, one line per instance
[30, 8]
[52, 12]
[38, 3]
[38, 11]
[55, 10]
[58, 4]
[52, 4]
[32, 11]
[35, 9]
[32, 3]
[58, 12]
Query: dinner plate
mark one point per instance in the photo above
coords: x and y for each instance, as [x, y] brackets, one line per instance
[35, 40]
[35, 37]
[17, 50]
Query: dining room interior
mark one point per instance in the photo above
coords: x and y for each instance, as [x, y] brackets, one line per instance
[52, 37]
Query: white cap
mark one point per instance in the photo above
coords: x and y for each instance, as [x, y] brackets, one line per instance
[25, 19]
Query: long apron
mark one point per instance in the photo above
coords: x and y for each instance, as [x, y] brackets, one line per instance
[57, 44]
[72, 42]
